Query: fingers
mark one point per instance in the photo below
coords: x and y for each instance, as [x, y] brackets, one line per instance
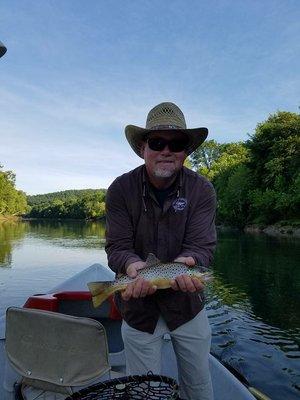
[174, 285]
[190, 261]
[131, 271]
[139, 288]
[186, 260]
[133, 268]
[186, 283]
[198, 284]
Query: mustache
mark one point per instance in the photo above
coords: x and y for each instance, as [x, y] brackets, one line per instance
[170, 159]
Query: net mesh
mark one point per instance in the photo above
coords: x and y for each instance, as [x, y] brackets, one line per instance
[135, 387]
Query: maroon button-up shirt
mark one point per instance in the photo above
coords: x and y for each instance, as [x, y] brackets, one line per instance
[137, 226]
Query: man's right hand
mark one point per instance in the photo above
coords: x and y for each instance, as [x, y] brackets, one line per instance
[140, 287]
[133, 268]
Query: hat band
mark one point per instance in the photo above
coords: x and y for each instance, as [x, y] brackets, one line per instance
[163, 127]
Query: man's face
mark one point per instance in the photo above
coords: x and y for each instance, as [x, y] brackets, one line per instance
[163, 163]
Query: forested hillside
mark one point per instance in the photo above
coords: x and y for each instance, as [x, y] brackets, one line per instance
[86, 203]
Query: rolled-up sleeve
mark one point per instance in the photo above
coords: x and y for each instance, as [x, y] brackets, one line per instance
[200, 236]
[119, 230]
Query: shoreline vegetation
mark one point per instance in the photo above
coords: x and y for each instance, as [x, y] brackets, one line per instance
[257, 184]
[280, 229]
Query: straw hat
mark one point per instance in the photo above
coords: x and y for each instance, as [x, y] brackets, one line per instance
[164, 117]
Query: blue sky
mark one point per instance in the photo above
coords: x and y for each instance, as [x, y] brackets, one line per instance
[77, 72]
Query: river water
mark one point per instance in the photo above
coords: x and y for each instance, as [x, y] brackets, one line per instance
[253, 302]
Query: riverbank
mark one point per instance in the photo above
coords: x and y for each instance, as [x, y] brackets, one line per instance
[279, 230]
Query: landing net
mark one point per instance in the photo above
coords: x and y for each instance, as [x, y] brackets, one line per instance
[135, 387]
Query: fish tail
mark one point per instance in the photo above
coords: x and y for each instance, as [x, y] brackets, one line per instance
[207, 277]
[101, 291]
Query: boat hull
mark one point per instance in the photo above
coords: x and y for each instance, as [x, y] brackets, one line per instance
[72, 297]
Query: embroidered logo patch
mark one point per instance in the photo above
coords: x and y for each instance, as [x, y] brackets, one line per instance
[179, 204]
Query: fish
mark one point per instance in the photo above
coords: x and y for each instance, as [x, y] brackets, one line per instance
[160, 274]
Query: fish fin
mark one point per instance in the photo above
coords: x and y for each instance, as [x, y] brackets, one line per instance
[161, 283]
[97, 287]
[202, 269]
[102, 290]
[203, 277]
[151, 260]
[207, 277]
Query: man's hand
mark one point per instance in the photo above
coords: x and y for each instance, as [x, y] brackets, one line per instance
[140, 287]
[186, 260]
[133, 268]
[186, 283]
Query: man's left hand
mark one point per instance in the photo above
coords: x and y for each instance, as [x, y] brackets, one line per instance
[185, 283]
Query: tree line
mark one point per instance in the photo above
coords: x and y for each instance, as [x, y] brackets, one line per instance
[77, 204]
[257, 181]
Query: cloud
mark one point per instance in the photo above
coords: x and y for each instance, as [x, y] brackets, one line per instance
[45, 139]
[74, 76]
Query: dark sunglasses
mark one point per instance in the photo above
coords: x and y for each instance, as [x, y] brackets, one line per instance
[174, 145]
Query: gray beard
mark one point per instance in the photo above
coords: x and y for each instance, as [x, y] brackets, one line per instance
[161, 173]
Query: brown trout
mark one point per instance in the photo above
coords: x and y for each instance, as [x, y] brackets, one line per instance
[159, 274]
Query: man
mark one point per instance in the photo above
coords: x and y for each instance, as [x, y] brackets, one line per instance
[163, 208]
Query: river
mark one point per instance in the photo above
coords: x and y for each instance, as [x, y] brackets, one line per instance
[253, 302]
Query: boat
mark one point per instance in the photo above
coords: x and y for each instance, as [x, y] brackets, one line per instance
[71, 299]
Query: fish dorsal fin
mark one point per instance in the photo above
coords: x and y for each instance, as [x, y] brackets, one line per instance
[151, 260]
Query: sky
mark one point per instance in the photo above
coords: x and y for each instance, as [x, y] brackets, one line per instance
[77, 72]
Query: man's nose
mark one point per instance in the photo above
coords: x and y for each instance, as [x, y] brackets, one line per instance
[166, 149]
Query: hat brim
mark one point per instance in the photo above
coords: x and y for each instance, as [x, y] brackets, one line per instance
[136, 137]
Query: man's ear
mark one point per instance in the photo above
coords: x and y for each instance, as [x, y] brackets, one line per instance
[142, 149]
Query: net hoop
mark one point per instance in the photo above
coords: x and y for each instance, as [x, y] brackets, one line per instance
[134, 387]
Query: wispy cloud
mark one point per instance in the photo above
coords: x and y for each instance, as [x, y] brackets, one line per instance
[75, 75]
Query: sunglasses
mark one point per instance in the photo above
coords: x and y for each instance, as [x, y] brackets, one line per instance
[174, 145]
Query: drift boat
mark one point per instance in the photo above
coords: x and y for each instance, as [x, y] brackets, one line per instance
[29, 335]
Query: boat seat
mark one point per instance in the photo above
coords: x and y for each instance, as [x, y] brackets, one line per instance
[55, 354]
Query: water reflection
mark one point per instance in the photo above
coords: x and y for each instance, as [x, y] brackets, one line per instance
[253, 301]
[253, 307]
[10, 233]
[66, 234]
[263, 271]
[86, 234]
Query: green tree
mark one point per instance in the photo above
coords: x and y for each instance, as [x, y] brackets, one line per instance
[274, 163]
[232, 181]
[274, 150]
[187, 163]
[230, 157]
[12, 201]
[234, 204]
[205, 156]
